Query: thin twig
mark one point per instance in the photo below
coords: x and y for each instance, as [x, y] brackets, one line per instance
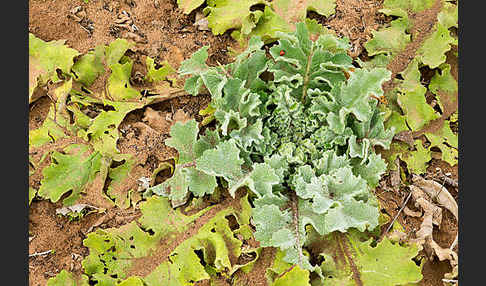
[225, 71]
[40, 253]
[396, 216]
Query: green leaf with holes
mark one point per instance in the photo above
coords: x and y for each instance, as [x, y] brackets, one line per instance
[90, 66]
[156, 75]
[69, 171]
[446, 141]
[412, 99]
[104, 127]
[417, 160]
[119, 86]
[350, 260]
[116, 50]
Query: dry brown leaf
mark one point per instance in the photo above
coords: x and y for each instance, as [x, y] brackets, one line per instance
[181, 116]
[411, 213]
[438, 193]
[425, 233]
[405, 136]
[422, 201]
[201, 22]
[395, 175]
[155, 120]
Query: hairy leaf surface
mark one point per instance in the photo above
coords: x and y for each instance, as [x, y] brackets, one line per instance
[302, 141]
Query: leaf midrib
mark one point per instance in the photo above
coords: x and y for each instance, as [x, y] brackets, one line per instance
[307, 71]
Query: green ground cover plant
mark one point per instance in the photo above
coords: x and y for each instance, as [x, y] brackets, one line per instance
[296, 132]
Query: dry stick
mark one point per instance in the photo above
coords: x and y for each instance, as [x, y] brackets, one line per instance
[396, 216]
[40, 253]
[225, 71]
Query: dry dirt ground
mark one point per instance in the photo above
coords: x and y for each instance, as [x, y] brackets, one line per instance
[165, 33]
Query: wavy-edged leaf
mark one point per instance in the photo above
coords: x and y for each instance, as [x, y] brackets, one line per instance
[389, 40]
[412, 99]
[183, 137]
[306, 64]
[186, 177]
[445, 87]
[156, 75]
[113, 249]
[296, 11]
[223, 161]
[232, 14]
[90, 66]
[45, 58]
[201, 74]
[70, 171]
[432, 52]
[371, 170]
[446, 141]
